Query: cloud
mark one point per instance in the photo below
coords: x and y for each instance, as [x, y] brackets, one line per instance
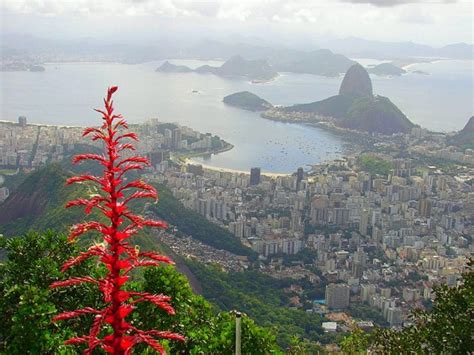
[391, 3]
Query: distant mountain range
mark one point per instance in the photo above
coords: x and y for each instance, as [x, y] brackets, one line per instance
[313, 59]
[362, 48]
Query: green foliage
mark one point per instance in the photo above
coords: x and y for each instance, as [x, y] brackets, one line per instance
[334, 106]
[206, 330]
[357, 342]
[376, 114]
[192, 223]
[247, 101]
[303, 346]
[375, 165]
[27, 304]
[259, 296]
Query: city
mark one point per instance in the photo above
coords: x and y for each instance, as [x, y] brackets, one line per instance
[380, 230]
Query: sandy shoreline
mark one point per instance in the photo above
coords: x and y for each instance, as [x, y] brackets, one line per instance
[228, 170]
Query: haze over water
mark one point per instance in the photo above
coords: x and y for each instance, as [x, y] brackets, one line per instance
[66, 94]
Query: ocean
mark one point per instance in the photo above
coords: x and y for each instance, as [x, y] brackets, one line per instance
[67, 93]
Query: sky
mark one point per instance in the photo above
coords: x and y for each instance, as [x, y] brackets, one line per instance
[432, 22]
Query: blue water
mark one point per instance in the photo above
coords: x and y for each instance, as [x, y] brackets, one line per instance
[66, 94]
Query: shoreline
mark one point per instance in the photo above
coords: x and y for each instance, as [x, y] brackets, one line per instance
[188, 161]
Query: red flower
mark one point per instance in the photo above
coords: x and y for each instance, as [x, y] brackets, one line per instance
[117, 254]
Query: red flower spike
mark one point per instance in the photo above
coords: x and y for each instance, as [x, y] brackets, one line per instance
[115, 253]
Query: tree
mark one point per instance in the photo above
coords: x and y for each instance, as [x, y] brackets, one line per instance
[27, 304]
[110, 329]
[206, 330]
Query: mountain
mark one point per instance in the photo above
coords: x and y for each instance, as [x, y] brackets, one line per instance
[376, 114]
[465, 137]
[38, 203]
[320, 62]
[356, 108]
[236, 66]
[356, 82]
[386, 69]
[362, 48]
[334, 106]
[167, 67]
[247, 101]
[258, 69]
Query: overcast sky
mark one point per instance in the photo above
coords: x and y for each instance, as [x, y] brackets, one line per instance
[434, 22]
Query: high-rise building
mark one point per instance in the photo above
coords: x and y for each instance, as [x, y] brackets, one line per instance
[176, 138]
[337, 296]
[299, 178]
[394, 316]
[254, 176]
[424, 208]
[22, 121]
[364, 221]
[157, 157]
[366, 292]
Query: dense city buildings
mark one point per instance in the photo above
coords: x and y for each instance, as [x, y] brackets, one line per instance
[377, 230]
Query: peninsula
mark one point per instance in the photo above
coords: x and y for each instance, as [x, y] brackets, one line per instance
[354, 108]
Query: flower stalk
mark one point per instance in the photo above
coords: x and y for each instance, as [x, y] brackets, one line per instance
[110, 329]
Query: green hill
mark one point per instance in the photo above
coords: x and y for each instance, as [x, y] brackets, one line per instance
[247, 101]
[38, 203]
[376, 114]
[465, 137]
[335, 106]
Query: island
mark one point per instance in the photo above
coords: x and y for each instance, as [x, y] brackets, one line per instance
[386, 69]
[37, 68]
[167, 67]
[236, 66]
[247, 101]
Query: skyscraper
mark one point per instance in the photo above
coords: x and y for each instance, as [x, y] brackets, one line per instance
[299, 177]
[254, 176]
[22, 121]
[176, 138]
